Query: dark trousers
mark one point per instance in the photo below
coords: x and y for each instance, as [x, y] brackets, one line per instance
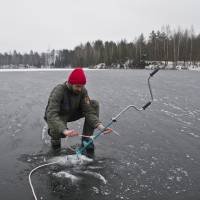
[87, 129]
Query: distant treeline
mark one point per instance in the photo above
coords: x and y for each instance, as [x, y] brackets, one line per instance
[162, 45]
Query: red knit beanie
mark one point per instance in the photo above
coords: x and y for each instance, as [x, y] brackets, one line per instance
[77, 76]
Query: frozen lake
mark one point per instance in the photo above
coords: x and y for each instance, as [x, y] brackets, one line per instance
[156, 156]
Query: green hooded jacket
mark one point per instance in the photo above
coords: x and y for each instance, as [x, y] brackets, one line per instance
[63, 103]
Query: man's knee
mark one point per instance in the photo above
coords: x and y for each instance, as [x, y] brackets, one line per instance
[54, 135]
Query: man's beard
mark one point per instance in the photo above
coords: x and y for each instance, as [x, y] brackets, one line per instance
[76, 92]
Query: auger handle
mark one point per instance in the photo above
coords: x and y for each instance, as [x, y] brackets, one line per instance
[154, 72]
[146, 105]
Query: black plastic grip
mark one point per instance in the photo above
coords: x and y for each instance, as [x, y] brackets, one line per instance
[154, 71]
[146, 105]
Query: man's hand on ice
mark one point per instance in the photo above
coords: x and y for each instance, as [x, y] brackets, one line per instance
[70, 133]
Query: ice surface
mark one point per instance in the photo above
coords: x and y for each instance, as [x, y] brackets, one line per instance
[156, 157]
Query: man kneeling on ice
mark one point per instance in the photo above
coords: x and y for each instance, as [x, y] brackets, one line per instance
[69, 102]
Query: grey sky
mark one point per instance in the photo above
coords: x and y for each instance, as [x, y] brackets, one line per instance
[43, 24]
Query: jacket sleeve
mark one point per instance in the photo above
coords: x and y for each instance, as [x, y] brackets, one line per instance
[55, 123]
[88, 111]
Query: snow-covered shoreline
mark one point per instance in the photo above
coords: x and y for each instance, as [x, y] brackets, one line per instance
[87, 69]
[43, 69]
[194, 69]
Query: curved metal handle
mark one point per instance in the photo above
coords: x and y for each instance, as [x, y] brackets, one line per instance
[146, 105]
[154, 72]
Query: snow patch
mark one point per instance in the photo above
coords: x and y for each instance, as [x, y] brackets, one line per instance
[194, 135]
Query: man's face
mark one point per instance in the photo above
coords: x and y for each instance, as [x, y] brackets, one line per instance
[77, 88]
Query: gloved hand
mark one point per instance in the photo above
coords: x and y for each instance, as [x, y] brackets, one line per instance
[105, 130]
[70, 133]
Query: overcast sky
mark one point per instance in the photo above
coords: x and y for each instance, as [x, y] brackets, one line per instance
[58, 24]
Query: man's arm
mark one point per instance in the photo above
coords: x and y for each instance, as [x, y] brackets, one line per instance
[88, 111]
[91, 115]
[54, 121]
